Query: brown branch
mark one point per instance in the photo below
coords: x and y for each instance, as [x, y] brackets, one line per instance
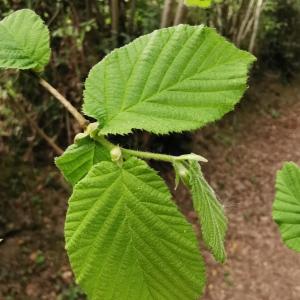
[34, 126]
[67, 104]
[115, 20]
[115, 14]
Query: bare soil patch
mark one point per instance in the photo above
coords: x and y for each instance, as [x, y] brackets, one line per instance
[244, 157]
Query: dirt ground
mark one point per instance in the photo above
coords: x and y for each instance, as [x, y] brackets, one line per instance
[244, 152]
[242, 164]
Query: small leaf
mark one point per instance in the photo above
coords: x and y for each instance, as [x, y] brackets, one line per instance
[78, 158]
[211, 213]
[200, 3]
[286, 207]
[127, 240]
[174, 79]
[24, 41]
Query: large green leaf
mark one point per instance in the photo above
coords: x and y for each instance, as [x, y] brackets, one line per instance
[174, 79]
[24, 41]
[286, 207]
[126, 239]
[78, 159]
[211, 213]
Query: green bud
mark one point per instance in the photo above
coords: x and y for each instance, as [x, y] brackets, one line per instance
[182, 173]
[80, 136]
[91, 128]
[116, 154]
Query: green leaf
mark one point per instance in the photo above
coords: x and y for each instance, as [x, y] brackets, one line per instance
[211, 213]
[78, 159]
[286, 207]
[174, 79]
[24, 41]
[126, 239]
[200, 3]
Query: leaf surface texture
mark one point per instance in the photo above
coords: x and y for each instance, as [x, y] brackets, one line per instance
[210, 212]
[24, 41]
[126, 239]
[78, 159]
[174, 79]
[286, 207]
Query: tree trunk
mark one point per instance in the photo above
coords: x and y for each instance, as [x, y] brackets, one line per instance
[258, 11]
[245, 22]
[181, 13]
[115, 14]
[167, 14]
[131, 20]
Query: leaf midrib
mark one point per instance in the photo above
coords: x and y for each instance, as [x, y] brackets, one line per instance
[127, 174]
[127, 109]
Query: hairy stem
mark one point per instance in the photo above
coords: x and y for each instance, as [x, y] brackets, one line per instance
[67, 104]
[150, 155]
[146, 155]
[106, 143]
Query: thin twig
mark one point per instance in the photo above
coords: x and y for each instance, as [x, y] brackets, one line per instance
[146, 155]
[115, 20]
[67, 104]
[39, 131]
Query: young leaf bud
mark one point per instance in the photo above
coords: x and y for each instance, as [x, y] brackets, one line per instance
[116, 154]
[92, 127]
[182, 173]
[80, 136]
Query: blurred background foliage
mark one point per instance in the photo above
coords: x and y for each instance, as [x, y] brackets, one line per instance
[83, 32]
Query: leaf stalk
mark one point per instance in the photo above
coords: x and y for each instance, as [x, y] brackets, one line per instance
[65, 102]
[147, 155]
